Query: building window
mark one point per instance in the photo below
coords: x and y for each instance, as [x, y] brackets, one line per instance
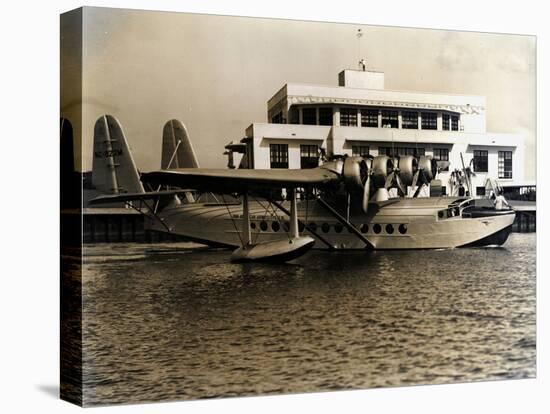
[445, 118]
[294, 115]
[325, 116]
[400, 151]
[443, 190]
[442, 154]
[505, 164]
[360, 150]
[309, 156]
[309, 116]
[429, 120]
[417, 152]
[369, 118]
[481, 161]
[480, 191]
[277, 118]
[410, 120]
[385, 151]
[390, 119]
[348, 116]
[278, 155]
[454, 122]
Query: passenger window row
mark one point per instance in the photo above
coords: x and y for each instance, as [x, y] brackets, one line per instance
[376, 228]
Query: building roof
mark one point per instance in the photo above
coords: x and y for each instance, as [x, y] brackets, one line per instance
[303, 93]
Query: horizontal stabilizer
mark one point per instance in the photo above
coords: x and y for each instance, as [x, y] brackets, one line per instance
[116, 198]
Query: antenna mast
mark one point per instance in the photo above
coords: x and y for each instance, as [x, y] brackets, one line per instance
[362, 61]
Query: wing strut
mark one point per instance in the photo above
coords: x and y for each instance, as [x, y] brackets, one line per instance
[273, 250]
[306, 226]
[345, 222]
[294, 231]
[246, 222]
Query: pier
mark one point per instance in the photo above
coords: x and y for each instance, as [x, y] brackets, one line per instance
[119, 225]
[526, 216]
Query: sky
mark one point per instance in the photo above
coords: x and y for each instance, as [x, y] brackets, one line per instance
[216, 73]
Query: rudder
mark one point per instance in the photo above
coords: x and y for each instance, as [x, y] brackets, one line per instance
[113, 169]
[177, 150]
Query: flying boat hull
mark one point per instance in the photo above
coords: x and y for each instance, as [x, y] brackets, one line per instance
[405, 223]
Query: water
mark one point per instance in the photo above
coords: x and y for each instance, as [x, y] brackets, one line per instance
[164, 322]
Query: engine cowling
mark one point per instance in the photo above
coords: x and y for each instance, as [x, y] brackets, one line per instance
[355, 172]
[382, 166]
[408, 165]
[429, 166]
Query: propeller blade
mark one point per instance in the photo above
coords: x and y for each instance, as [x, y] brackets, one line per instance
[389, 180]
[366, 195]
[415, 179]
[400, 185]
[434, 167]
[423, 179]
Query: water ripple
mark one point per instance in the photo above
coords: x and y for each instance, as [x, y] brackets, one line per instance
[169, 322]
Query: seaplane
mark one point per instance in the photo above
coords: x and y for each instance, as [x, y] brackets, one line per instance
[344, 203]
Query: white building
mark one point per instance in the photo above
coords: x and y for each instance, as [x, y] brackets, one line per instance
[361, 117]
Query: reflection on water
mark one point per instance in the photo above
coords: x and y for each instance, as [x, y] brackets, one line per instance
[168, 322]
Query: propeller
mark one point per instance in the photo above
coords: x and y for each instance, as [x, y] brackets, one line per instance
[421, 177]
[366, 193]
[357, 173]
[394, 179]
[421, 173]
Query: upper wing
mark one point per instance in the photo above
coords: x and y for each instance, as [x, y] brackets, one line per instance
[231, 181]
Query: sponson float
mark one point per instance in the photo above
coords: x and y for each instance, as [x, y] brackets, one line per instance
[344, 203]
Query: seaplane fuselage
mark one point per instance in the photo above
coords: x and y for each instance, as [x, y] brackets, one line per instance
[399, 223]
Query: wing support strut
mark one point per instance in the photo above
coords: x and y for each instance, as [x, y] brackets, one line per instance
[247, 238]
[294, 231]
[150, 213]
[274, 250]
[345, 223]
[306, 226]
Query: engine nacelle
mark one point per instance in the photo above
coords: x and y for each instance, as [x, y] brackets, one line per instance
[408, 165]
[429, 165]
[336, 166]
[382, 166]
[355, 172]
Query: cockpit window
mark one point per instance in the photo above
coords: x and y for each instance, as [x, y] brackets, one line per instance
[452, 211]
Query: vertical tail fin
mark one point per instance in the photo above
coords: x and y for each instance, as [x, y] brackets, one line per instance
[177, 150]
[113, 168]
